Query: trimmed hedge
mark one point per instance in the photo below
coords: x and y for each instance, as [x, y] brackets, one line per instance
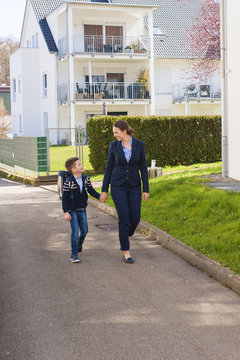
[171, 140]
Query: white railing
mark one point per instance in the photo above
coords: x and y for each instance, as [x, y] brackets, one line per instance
[113, 45]
[110, 44]
[63, 93]
[200, 92]
[112, 91]
[62, 47]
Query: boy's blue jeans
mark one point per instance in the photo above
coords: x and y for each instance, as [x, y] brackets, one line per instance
[78, 222]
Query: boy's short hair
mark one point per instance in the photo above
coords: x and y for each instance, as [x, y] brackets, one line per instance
[69, 164]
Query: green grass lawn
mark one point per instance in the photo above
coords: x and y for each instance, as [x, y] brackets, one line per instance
[180, 203]
[204, 218]
[60, 153]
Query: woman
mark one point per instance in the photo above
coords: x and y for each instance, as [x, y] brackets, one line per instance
[126, 157]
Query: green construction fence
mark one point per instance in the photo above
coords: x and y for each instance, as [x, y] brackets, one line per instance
[25, 152]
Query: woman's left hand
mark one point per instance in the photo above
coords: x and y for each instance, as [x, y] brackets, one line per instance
[145, 196]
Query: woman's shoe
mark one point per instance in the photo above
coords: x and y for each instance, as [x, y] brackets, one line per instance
[128, 260]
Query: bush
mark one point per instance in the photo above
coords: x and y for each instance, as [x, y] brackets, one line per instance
[170, 140]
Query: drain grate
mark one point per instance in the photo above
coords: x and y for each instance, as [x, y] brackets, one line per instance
[109, 227]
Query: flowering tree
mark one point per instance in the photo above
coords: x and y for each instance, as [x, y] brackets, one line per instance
[204, 40]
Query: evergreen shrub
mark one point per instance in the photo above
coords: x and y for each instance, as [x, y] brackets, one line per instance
[170, 140]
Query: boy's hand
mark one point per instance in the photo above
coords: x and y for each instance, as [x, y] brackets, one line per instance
[67, 216]
[103, 197]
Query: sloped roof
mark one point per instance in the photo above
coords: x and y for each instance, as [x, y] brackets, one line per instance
[48, 36]
[43, 7]
[171, 17]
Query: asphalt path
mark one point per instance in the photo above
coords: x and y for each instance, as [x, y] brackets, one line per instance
[102, 309]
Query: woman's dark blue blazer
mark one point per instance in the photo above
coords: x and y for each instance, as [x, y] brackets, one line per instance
[118, 170]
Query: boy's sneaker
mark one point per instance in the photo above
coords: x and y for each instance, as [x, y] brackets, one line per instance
[74, 259]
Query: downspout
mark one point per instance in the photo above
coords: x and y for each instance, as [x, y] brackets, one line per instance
[68, 71]
[223, 21]
[57, 100]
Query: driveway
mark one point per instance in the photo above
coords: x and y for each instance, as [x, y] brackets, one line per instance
[102, 309]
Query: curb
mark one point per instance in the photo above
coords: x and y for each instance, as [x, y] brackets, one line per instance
[36, 181]
[212, 268]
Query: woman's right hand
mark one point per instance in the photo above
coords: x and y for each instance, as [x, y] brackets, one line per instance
[103, 196]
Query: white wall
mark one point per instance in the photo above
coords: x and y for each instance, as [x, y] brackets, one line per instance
[233, 81]
[30, 28]
[82, 110]
[130, 70]
[25, 63]
[30, 63]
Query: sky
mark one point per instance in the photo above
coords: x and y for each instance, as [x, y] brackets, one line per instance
[11, 18]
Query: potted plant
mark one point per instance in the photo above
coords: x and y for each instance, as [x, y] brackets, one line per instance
[143, 79]
[128, 49]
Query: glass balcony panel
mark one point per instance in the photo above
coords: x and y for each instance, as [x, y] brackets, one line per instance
[112, 91]
[191, 92]
[97, 44]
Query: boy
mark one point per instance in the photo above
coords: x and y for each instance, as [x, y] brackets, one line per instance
[74, 203]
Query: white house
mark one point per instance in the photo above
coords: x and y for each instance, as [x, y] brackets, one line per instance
[76, 55]
[231, 81]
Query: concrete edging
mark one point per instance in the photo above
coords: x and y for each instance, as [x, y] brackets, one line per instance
[210, 267]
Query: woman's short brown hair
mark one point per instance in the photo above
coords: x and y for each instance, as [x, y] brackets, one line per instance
[123, 125]
[69, 164]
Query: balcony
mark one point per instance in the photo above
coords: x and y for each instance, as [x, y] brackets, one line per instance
[196, 93]
[63, 96]
[109, 45]
[113, 91]
[109, 91]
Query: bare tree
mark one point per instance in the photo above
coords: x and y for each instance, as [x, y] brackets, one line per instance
[7, 47]
[5, 120]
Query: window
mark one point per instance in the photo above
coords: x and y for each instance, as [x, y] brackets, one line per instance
[157, 31]
[19, 84]
[20, 123]
[14, 89]
[95, 78]
[33, 41]
[45, 122]
[44, 85]
[28, 43]
[36, 37]
[163, 80]
[117, 113]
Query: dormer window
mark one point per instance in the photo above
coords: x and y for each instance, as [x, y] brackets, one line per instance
[101, 1]
[157, 31]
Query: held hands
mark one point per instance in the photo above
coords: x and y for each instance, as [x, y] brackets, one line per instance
[67, 216]
[103, 197]
[145, 196]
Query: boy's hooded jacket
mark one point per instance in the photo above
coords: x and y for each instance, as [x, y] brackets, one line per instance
[72, 198]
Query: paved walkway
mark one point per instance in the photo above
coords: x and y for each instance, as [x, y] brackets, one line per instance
[160, 308]
[220, 183]
[209, 266]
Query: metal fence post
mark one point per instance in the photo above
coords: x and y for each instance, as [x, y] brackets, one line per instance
[48, 151]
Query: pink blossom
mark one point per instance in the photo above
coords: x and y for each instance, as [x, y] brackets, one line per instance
[204, 40]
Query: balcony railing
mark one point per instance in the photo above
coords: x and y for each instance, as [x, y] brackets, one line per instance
[110, 45]
[62, 47]
[183, 92]
[113, 91]
[63, 93]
